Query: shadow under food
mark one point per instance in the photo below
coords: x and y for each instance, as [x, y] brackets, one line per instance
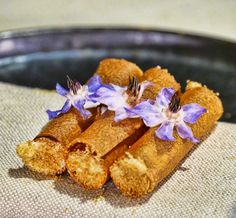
[65, 185]
[24, 172]
[109, 193]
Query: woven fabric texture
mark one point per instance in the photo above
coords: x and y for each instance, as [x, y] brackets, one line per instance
[203, 186]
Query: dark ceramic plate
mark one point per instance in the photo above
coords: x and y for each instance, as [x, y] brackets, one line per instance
[40, 58]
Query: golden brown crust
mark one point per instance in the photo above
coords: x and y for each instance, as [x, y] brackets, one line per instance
[121, 148]
[63, 129]
[92, 171]
[89, 167]
[86, 169]
[106, 140]
[161, 78]
[118, 71]
[46, 153]
[104, 134]
[66, 127]
[208, 99]
[151, 159]
[43, 155]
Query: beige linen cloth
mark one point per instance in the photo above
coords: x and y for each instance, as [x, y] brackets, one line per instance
[204, 185]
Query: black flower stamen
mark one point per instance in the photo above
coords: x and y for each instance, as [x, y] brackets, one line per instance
[174, 105]
[73, 85]
[133, 87]
[130, 83]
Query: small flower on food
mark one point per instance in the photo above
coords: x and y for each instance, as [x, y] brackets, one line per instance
[77, 96]
[119, 99]
[167, 112]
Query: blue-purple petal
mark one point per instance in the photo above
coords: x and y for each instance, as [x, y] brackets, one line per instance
[164, 97]
[120, 114]
[165, 131]
[90, 104]
[100, 92]
[130, 112]
[185, 132]
[61, 90]
[79, 105]
[191, 112]
[52, 114]
[123, 113]
[111, 98]
[119, 89]
[94, 83]
[66, 107]
[143, 86]
[148, 112]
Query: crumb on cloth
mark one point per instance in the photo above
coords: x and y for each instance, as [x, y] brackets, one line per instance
[183, 168]
[100, 196]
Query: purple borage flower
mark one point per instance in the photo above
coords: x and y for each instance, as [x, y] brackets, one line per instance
[77, 96]
[119, 99]
[167, 112]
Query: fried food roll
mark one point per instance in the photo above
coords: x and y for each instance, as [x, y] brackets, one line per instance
[118, 71]
[93, 151]
[46, 153]
[150, 159]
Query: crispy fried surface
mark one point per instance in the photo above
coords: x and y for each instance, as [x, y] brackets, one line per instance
[60, 131]
[43, 156]
[104, 134]
[159, 158]
[118, 71]
[66, 127]
[46, 153]
[92, 171]
[106, 139]
[161, 78]
[86, 169]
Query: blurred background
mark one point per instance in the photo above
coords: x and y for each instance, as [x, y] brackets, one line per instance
[42, 41]
[212, 17]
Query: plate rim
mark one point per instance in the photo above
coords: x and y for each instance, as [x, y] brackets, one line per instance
[30, 32]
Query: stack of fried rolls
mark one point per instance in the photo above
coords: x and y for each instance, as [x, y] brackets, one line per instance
[150, 160]
[47, 152]
[93, 150]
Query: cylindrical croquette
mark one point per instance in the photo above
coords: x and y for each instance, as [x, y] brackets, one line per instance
[47, 152]
[150, 160]
[93, 152]
[118, 71]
